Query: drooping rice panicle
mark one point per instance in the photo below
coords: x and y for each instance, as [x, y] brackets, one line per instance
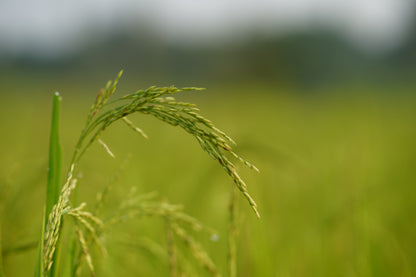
[159, 103]
[152, 102]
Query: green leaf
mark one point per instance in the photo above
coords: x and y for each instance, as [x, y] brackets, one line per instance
[55, 157]
[54, 175]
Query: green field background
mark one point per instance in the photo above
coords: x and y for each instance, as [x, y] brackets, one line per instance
[336, 188]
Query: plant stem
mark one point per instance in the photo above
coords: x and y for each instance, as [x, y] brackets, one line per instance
[54, 177]
[232, 254]
[55, 157]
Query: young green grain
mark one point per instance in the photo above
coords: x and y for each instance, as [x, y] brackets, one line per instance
[159, 103]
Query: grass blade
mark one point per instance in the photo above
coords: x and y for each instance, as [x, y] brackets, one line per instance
[232, 234]
[55, 157]
[54, 171]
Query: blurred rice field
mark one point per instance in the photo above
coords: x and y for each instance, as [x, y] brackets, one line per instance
[336, 188]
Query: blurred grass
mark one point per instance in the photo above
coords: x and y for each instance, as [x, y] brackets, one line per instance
[336, 188]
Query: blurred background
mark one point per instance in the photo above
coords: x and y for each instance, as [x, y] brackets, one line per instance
[304, 43]
[319, 94]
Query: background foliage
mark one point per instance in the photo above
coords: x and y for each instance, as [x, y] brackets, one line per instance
[335, 191]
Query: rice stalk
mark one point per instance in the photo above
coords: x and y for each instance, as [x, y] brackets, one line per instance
[54, 173]
[52, 231]
[53, 187]
[159, 103]
[175, 220]
[55, 157]
[232, 234]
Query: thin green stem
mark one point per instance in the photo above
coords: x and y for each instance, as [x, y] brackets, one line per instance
[55, 157]
[232, 238]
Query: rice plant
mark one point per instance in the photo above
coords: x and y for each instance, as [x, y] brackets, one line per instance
[88, 227]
